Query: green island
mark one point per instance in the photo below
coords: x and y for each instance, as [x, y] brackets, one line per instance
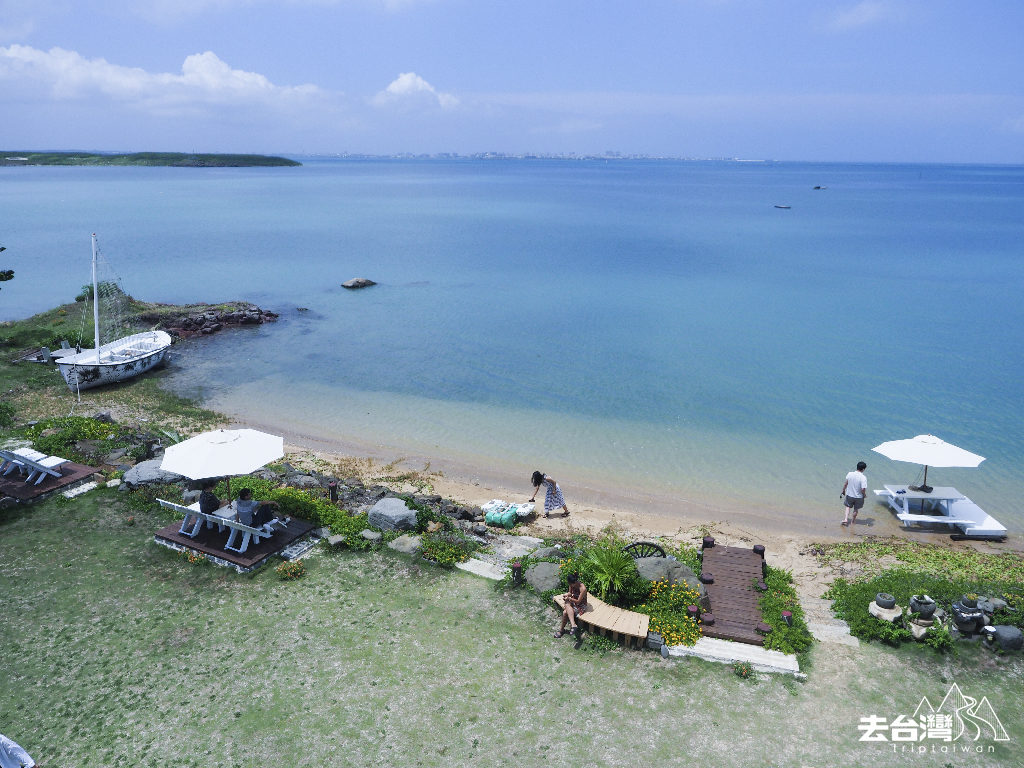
[170, 159]
[358, 655]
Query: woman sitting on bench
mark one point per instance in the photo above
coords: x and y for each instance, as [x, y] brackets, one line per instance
[575, 604]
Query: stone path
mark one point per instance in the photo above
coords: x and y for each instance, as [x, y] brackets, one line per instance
[727, 652]
[825, 627]
[504, 550]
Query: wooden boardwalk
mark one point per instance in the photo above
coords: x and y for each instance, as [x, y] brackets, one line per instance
[733, 596]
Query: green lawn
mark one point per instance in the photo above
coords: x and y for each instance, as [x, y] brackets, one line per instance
[115, 651]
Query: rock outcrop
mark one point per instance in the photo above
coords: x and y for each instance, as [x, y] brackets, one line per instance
[358, 282]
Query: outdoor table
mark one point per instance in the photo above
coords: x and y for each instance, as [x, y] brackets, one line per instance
[906, 501]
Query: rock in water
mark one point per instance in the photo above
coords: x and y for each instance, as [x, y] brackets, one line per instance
[357, 282]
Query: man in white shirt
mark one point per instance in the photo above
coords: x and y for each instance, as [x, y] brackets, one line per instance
[854, 490]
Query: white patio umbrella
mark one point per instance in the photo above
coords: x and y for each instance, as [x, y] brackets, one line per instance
[223, 452]
[930, 451]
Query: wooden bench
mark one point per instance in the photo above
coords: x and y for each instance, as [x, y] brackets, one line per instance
[194, 519]
[616, 623]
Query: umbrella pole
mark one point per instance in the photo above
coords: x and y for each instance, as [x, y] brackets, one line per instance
[925, 483]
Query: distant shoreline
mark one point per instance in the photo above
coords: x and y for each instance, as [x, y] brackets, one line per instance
[167, 159]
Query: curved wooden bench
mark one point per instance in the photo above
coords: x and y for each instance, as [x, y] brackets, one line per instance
[616, 623]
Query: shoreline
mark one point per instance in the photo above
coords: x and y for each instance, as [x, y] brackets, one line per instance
[631, 511]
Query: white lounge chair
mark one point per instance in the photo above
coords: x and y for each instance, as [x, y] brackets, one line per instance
[36, 465]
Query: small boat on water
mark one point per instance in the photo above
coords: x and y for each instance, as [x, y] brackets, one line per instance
[116, 360]
[784, 207]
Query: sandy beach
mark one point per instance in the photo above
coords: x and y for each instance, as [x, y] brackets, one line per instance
[638, 515]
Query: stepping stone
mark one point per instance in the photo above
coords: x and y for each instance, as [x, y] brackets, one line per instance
[480, 568]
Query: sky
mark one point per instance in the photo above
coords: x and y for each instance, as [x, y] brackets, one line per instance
[858, 81]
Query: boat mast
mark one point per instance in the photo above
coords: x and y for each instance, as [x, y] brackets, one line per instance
[95, 301]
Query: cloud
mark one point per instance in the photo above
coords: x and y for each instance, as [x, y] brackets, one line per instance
[204, 80]
[863, 14]
[410, 89]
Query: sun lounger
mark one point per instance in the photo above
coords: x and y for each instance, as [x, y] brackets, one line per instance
[36, 465]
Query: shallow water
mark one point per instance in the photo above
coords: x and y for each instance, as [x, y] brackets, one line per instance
[639, 324]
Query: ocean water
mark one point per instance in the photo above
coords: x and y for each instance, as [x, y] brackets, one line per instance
[658, 326]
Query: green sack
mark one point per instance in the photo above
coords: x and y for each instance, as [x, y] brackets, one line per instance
[493, 516]
[509, 518]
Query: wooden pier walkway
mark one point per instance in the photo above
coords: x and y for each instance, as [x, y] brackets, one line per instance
[733, 595]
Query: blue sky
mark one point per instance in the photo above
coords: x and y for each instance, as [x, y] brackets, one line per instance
[865, 80]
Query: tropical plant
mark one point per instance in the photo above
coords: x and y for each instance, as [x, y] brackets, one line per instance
[610, 569]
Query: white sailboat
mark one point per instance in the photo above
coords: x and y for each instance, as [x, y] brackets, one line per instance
[116, 360]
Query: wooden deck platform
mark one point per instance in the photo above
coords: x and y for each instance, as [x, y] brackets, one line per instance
[733, 597]
[210, 541]
[14, 484]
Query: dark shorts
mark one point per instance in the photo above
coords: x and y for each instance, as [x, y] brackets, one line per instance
[853, 503]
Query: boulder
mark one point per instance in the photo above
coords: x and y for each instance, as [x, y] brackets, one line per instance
[514, 547]
[1008, 638]
[336, 540]
[543, 576]
[373, 537]
[303, 481]
[149, 473]
[407, 544]
[357, 282]
[391, 514]
[549, 552]
[190, 497]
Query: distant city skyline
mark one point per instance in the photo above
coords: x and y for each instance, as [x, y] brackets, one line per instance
[862, 81]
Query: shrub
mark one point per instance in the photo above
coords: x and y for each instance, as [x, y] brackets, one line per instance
[70, 430]
[743, 669]
[291, 570]
[350, 526]
[851, 599]
[446, 548]
[425, 514]
[604, 568]
[143, 498]
[781, 596]
[610, 569]
[6, 414]
[294, 502]
[666, 605]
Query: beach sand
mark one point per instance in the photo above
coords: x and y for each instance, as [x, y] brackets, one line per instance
[788, 542]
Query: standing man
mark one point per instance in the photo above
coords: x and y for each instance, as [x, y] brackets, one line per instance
[854, 490]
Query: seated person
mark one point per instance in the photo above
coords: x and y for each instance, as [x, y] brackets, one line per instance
[246, 506]
[208, 503]
[255, 514]
[575, 604]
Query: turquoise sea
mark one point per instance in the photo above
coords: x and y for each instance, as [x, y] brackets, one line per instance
[654, 327]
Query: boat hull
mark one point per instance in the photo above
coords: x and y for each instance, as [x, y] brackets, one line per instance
[119, 360]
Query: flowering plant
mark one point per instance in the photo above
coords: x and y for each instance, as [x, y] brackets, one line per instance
[294, 569]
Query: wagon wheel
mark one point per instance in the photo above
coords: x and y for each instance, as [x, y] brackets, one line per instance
[644, 549]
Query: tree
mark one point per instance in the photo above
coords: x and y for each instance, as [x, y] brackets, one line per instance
[5, 274]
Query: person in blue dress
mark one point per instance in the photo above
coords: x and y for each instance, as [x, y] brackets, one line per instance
[553, 498]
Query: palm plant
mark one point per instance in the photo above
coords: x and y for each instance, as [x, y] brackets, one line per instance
[610, 569]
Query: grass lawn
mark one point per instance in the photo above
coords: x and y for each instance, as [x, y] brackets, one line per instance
[115, 651]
